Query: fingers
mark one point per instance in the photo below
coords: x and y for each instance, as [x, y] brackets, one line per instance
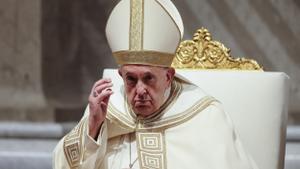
[98, 102]
[104, 96]
[100, 82]
[99, 88]
[101, 97]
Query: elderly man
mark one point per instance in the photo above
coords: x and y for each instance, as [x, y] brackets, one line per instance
[154, 119]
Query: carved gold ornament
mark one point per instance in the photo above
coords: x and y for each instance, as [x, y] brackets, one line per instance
[204, 53]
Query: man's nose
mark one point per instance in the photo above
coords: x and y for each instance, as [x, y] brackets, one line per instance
[141, 88]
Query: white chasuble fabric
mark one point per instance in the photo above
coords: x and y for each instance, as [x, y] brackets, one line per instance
[189, 131]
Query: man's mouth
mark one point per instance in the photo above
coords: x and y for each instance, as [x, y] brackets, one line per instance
[142, 103]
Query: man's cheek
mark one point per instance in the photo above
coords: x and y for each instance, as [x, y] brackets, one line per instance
[131, 97]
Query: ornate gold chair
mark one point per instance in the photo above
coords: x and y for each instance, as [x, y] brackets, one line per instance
[256, 100]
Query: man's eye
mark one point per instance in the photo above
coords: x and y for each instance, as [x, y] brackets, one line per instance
[130, 80]
[148, 78]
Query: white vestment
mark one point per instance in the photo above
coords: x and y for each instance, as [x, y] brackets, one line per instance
[189, 131]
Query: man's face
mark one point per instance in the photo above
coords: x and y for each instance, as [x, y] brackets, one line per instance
[145, 86]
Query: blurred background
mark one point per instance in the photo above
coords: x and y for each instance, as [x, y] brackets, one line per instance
[52, 51]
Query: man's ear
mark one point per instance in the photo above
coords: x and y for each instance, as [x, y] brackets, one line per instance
[170, 74]
[119, 71]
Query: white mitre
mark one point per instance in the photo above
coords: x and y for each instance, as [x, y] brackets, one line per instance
[144, 32]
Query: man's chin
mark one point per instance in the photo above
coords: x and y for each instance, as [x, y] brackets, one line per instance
[143, 111]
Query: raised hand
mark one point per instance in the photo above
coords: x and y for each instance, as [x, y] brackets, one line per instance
[98, 102]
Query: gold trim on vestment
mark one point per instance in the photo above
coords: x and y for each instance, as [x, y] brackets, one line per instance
[126, 120]
[151, 137]
[73, 145]
[145, 57]
[115, 116]
[136, 25]
[179, 118]
[151, 150]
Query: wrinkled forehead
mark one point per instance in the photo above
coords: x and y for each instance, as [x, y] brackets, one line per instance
[141, 69]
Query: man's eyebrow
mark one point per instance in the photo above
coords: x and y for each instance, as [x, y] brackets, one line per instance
[148, 73]
[129, 74]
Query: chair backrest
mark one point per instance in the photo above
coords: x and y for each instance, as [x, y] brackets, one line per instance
[257, 104]
[256, 101]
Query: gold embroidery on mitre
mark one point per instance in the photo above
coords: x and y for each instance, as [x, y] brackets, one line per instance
[204, 53]
[136, 25]
[151, 150]
[146, 57]
[73, 146]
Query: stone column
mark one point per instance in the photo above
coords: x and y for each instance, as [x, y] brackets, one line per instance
[21, 95]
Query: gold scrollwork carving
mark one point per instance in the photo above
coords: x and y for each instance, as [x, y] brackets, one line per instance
[204, 53]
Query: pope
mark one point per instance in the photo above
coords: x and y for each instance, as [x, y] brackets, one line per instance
[152, 118]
